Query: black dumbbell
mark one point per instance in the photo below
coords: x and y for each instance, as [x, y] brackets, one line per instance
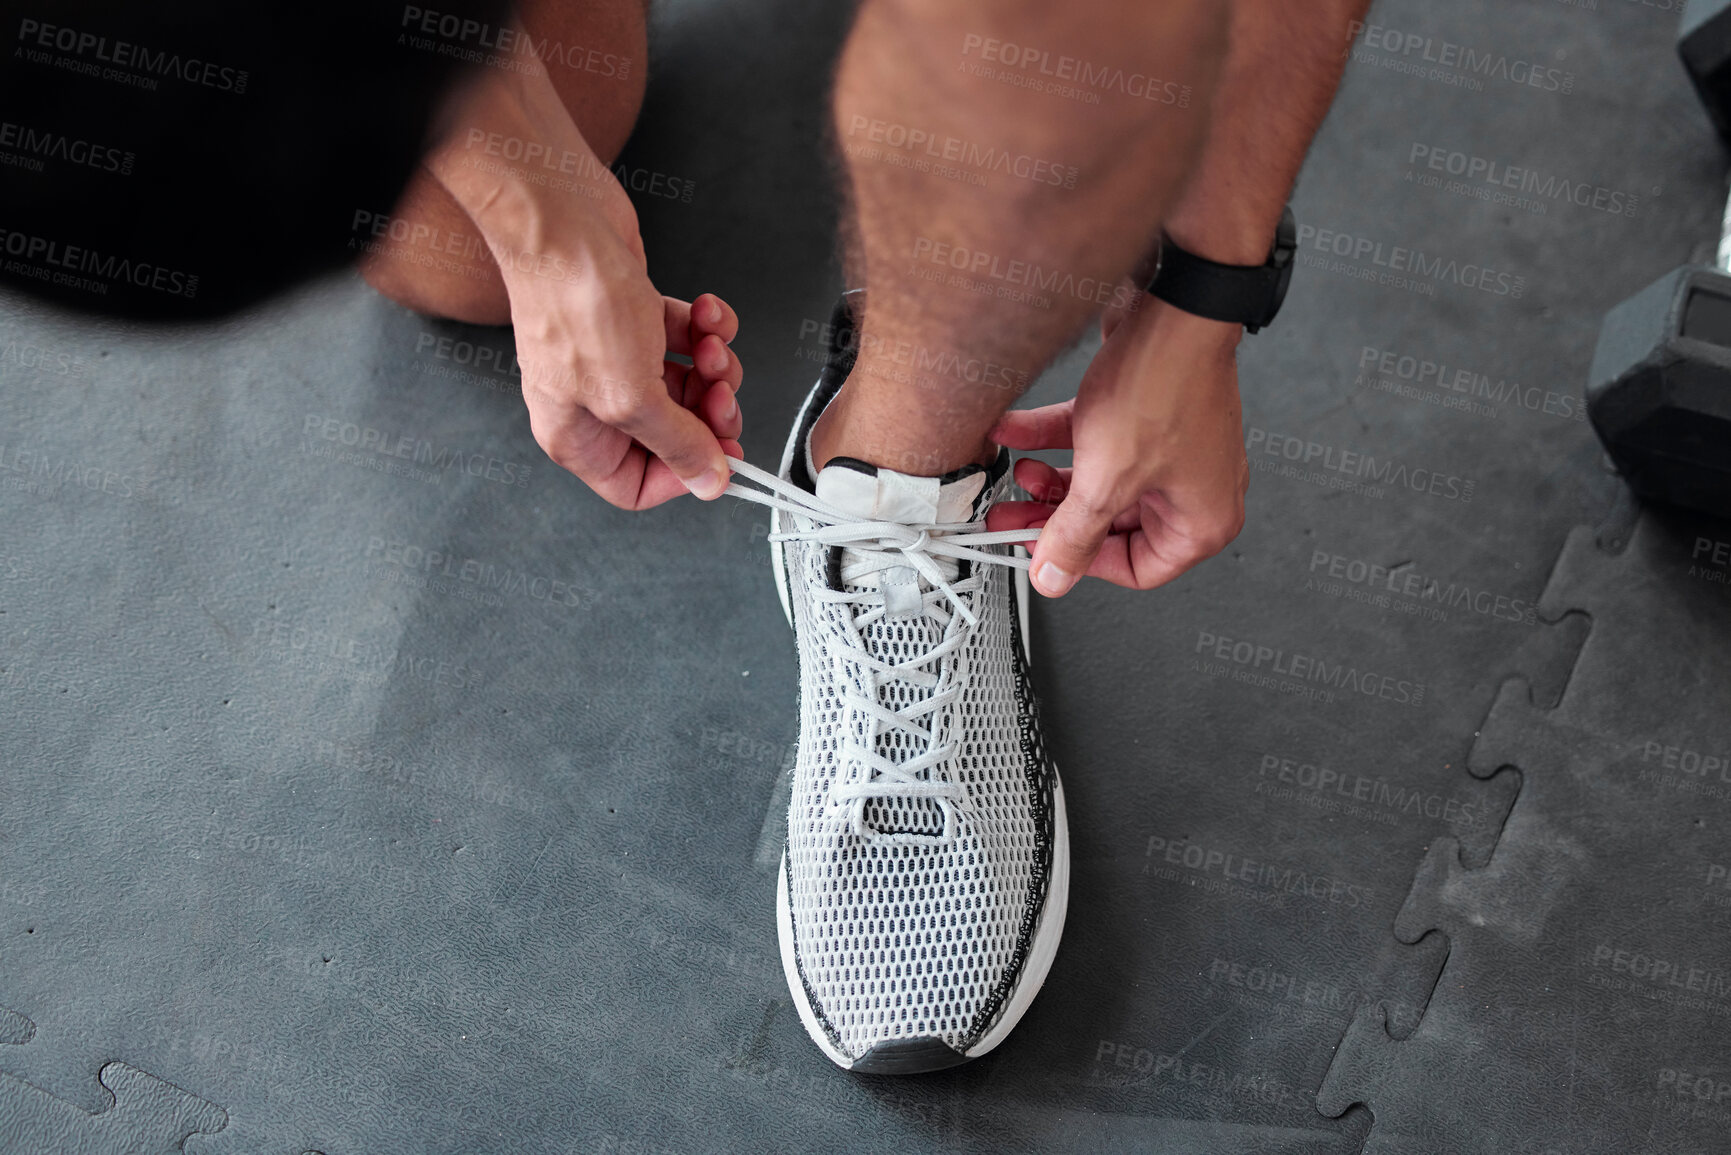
[1659, 391]
[1704, 43]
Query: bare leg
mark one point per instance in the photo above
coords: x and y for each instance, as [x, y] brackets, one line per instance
[995, 214]
[597, 68]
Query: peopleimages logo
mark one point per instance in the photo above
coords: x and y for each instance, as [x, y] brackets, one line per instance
[943, 147]
[34, 35]
[1424, 379]
[459, 32]
[485, 358]
[1309, 668]
[1217, 1082]
[1357, 465]
[55, 473]
[533, 152]
[34, 146]
[1035, 64]
[42, 359]
[918, 360]
[1498, 176]
[1232, 867]
[1401, 260]
[1404, 581]
[1690, 975]
[1456, 60]
[1017, 278]
[417, 450]
[67, 261]
[1334, 790]
[448, 572]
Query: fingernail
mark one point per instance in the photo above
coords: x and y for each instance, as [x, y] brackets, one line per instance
[1053, 582]
[711, 485]
[732, 410]
[713, 313]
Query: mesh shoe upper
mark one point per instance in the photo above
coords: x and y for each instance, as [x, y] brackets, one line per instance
[920, 830]
[913, 909]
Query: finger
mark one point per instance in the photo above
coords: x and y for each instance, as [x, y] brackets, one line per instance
[1047, 427]
[687, 322]
[720, 411]
[1035, 515]
[710, 315]
[1070, 540]
[1048, 485]
[712, 358]
[692, 390]
[1044, 483]
[660, 484]
[675, 435]
[1134, 561]
[603, 458]
[1018, 515]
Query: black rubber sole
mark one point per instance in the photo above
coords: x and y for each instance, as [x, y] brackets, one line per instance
[908, 1057]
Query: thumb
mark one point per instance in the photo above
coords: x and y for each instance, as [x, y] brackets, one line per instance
[680, 439]
[1069, 542]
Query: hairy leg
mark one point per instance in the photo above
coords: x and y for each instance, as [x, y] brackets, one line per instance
[1009, 166]
[595, 53]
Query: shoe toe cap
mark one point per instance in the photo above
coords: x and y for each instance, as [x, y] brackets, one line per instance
[908, 1057]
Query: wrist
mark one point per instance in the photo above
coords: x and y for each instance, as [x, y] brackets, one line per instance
[1181, 329]
[1227, 236]
[1249, 292]
[523, 221]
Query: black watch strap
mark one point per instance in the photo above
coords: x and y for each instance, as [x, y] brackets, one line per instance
[1248, 295]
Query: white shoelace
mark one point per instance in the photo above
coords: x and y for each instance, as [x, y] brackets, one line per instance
[865, 774]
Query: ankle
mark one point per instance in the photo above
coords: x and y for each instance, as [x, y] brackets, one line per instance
[895, 438]
[916, 457]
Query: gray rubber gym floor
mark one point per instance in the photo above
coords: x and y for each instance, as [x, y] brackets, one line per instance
[356, 808]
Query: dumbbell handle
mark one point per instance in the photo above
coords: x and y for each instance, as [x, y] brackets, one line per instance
[1724, 263]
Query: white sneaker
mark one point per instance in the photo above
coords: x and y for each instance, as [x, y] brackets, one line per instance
[924, 882]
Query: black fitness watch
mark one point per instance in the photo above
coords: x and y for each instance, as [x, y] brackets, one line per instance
[1249, 295]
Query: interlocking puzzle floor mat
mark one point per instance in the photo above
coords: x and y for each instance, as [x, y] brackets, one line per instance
[1583, 1004]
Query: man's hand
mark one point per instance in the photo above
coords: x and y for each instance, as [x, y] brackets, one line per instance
[1159, 471]
[604, 400]
[594, 336]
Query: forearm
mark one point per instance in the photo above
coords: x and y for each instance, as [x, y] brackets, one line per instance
[557, 224]
[1281, 73]
[512, 158]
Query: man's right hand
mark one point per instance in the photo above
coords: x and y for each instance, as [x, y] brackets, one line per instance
[605, 401]
[594, 336]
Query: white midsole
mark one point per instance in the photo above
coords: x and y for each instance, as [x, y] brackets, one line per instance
[1047, 931]
[784, 932]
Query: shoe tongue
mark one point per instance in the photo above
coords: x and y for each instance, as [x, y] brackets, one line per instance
[871, 493]
[875, 494]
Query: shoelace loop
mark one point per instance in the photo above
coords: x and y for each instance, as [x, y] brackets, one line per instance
[879, 546]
